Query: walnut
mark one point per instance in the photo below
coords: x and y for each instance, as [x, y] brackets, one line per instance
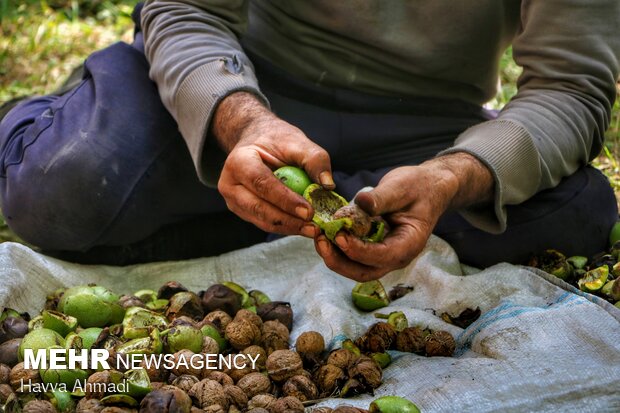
[256, 353]
[411, 340]
[166, 399]
[183, 321]
[242, 333]
[220, 297]
[366, 371]
[341, 357]
[254, 383]
[236, 396]
[185, 382]
[153, 372]
[361, 221]
[96, 384]
[322, 410]
[156, 385]
[209, 392]
[310, 342]
[440, 343]
[127, 301]
[222, 378]
[258, 410]
[117, 409]
[8, 352]
[348, 409]
[39, 406]
[245, 314]
[89, 406]
[195, 409]
[169, 289]
[214, 408]
[218, 318]
[185, 367]
[185, 303]
[300, 387]
[275, 336]
[276, 310]
[20, 375]
[209, 346]
[261, 401]
[5, 392]
[287, 404]
[283, 364]
[242, 359]
[5, 373]
[328, 378]
[378, 338]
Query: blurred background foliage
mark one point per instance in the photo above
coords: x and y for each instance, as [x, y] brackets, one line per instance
[42, 41]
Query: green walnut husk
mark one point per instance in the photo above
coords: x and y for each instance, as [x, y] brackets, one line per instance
[61, 400]
[327, 205]
[209, 330]
[119, 399]
[40, 339]
[293, 177]
[138, 322]
[61, 323]
[614, 234]
[144, 345]
[555, 263]
[66, 376]
[246, 301]
[369, 296]
[259, 298]
[184, 337]
[594, 280]
[611, 289]
[348, 344]
[577, 261]
[93, 306]
[89, 336]
[382, 359]
[35, 323]
[146, 296]
[393, 404]
[74, 341]
[138, 383]
[396, 319]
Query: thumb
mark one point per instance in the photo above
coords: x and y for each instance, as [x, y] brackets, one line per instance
[315, 161]
[388, 196]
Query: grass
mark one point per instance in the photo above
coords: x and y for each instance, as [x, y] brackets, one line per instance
[42, 41]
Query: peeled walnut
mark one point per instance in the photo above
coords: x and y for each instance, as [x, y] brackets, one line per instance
[222, 378]
[5, 392]
[220, 297]
[218, 318]
[20, 375]
[5, 373]
[361, 223]
[214, 408]
[210, 346]
[440, 343]
[185, 304]
[89, 406]
[253, 384]
[38, 406]
[366, 371]
[118, 409]
[300, 387]
[209, 392]
[261, 401]
[96, 384]
[256, 353]
[348, 409]
[310, 342]
[322, 410]
[276, 310]
[378, 338]
[8, 352]
[154, 373]
[169, 289]
[328, 378]
[237, 374]
[341, 357]
[185, 382]
[183, 320]
[128, 301]
[242, 333]
[287, 404]
[412, 340]
[245, 314]
[185, 367]
[167, 399]
[283, 364]
[275, 336]
[258, 410]
[236, 396]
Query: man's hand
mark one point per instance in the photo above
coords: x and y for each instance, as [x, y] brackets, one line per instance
[257, 142]
[411, 199]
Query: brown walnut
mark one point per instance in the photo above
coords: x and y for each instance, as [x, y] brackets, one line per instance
[300, 387]
[20, 375]
[209, 392]
[38, 406]
[440, 343]
[218, 318]
[242, 333]
[254, 384]
[287, 404]
[283, 364]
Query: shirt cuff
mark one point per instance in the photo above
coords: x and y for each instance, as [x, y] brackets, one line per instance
[507, 149]
[196, 100]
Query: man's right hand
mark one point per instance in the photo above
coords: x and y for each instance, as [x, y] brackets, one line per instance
[258, 142]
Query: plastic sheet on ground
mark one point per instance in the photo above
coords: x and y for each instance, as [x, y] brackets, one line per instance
[540, 345]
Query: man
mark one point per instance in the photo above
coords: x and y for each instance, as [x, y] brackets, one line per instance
[386, 94]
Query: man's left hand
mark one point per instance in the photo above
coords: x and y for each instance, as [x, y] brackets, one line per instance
[411, 199]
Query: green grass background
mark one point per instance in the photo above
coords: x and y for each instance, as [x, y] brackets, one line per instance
[42, 41]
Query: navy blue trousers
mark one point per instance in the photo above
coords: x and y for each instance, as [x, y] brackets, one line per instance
[103, 168]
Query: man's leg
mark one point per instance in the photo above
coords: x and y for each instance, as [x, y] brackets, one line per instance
[104, 165]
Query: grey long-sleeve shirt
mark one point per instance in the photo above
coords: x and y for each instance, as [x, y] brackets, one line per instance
[569, 51]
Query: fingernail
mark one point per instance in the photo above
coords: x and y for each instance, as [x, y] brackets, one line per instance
[326, 179]
[342, 241]
[303, 212]
[308, 231]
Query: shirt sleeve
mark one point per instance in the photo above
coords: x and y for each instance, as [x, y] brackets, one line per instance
[196, 60]
[569, 51]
